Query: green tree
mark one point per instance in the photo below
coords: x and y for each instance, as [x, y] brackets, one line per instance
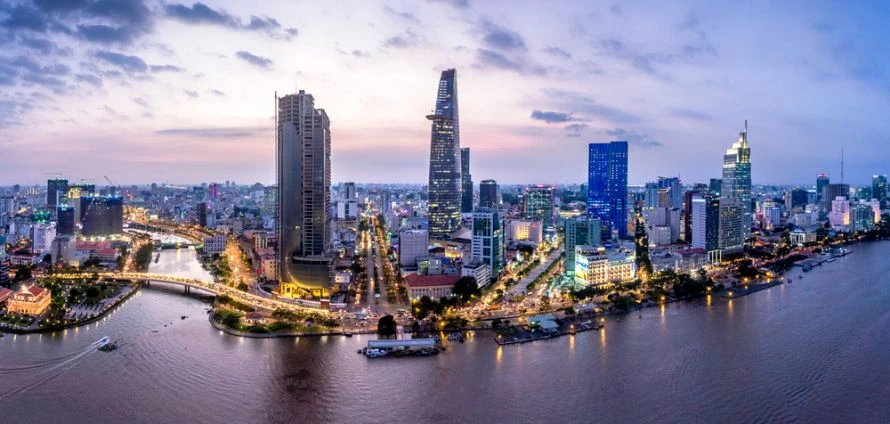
[644, 263]
[465, 288]
[386, 326]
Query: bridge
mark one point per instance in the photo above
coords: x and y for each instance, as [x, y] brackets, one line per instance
[250, 299]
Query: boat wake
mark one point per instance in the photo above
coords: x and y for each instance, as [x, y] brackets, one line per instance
[36, 374]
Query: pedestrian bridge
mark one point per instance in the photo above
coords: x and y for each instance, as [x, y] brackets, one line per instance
[257, 301]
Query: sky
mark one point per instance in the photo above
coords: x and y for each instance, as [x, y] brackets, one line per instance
[183, 92]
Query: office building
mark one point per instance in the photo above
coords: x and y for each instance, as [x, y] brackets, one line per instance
[201, 213]
[56, 188]
[737, 179]
[797, 198]
[830, 192]
[347, 204]
[488, 194]
[466, 201]
[839, 217]
[537, 204]
[101, 216]
[822, 180]
[731, 226]
[444, 188]
[65, 220]
[477, 269]
[525, 230]
[580, 231]
[595, 266]
[412, 245]
[700, 190]
[304, 193]
[674, 190]
[698, 222]
[879, 187]
[488, 241]
[42, 236]
[607, 185]
[715, 185]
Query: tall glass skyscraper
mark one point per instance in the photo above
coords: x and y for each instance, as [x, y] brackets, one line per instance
[445, 170]
[488, 194]
[55, 188]
[607, 185]
[304, 192]
[737, 177]
[538, 203]
[466, 200]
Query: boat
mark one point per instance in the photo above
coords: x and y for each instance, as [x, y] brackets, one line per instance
[347, 334]
[375, 353]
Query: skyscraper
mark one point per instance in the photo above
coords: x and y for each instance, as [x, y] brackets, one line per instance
[55, 187]
[675, 188]
[466, 200]
[101, 215]
[537, 203]
[580, 231]
[65, 216]
[488, 194]
[304, 192]
[445, 169]
[879, 187]
[488, 241]
[737, 178]
[607, 185]
[822, 180]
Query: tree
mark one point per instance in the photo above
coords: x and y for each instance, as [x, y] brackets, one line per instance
[386, 326]
[465, 288]
[644, 263]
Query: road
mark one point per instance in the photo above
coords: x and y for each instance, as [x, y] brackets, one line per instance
[375, 267]
[520, 287]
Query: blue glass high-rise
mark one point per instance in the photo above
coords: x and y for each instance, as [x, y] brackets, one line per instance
[607, 185]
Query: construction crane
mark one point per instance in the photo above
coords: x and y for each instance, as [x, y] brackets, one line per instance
[111, 187]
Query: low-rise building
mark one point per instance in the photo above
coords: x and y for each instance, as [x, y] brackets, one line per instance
[215, 244]
[478, 270]
[434, 286]
[595, 265]
[31, 300]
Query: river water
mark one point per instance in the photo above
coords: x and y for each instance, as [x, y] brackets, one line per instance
[816, 350]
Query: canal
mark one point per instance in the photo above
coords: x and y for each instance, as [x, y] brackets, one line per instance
[815, 350]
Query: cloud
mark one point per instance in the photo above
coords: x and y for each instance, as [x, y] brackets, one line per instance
[616, 10]
[255, 60]
[487, 58]
[635, 138]
[38, 44]
[500, 38]
[105, 34]
[89, 79]
[190, 93]
[165, 68]
[645, 62]
[552, 117]
[126, 62]
[217, 93]
[201, 14]
[140, 101]
[692, 114]
[408, 40]
[406, 16]
[360, 53]
[460, 4]
[585, 105]
[574, 130]
[558, 52]
[230, 132]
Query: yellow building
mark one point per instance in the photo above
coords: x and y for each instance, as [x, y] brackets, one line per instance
[31, 300]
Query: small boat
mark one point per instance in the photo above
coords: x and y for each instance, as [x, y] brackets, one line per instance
[375, 353]
[347, 334]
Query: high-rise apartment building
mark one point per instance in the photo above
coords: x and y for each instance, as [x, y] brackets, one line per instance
[488, 241]
[538, 203]
[466, 200]
[304, 192]
[488, 194]
[607, 185]
[445, 170]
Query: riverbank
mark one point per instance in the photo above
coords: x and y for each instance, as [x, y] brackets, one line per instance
[118, 300]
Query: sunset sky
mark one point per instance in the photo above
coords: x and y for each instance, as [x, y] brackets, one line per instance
[144, 90]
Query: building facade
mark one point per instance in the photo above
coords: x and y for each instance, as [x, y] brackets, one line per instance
[488, 241]
[412, 245]
[607, 185]
[304, 193]
[466, 199]
[445, 186]
[538, 204]
[488, 194]
[580, 231]
[32, 300]
[737, 179]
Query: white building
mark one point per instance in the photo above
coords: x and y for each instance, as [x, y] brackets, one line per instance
[215, 244]
[413, 244]
[839, 217]
[488, 240]
[525, 230]
[478, 270]
[699, 222]
[43, 236]
[596, 266]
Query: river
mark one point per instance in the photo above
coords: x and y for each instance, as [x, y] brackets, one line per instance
[816, 350]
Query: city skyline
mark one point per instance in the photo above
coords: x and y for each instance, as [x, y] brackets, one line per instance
[150, 105]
